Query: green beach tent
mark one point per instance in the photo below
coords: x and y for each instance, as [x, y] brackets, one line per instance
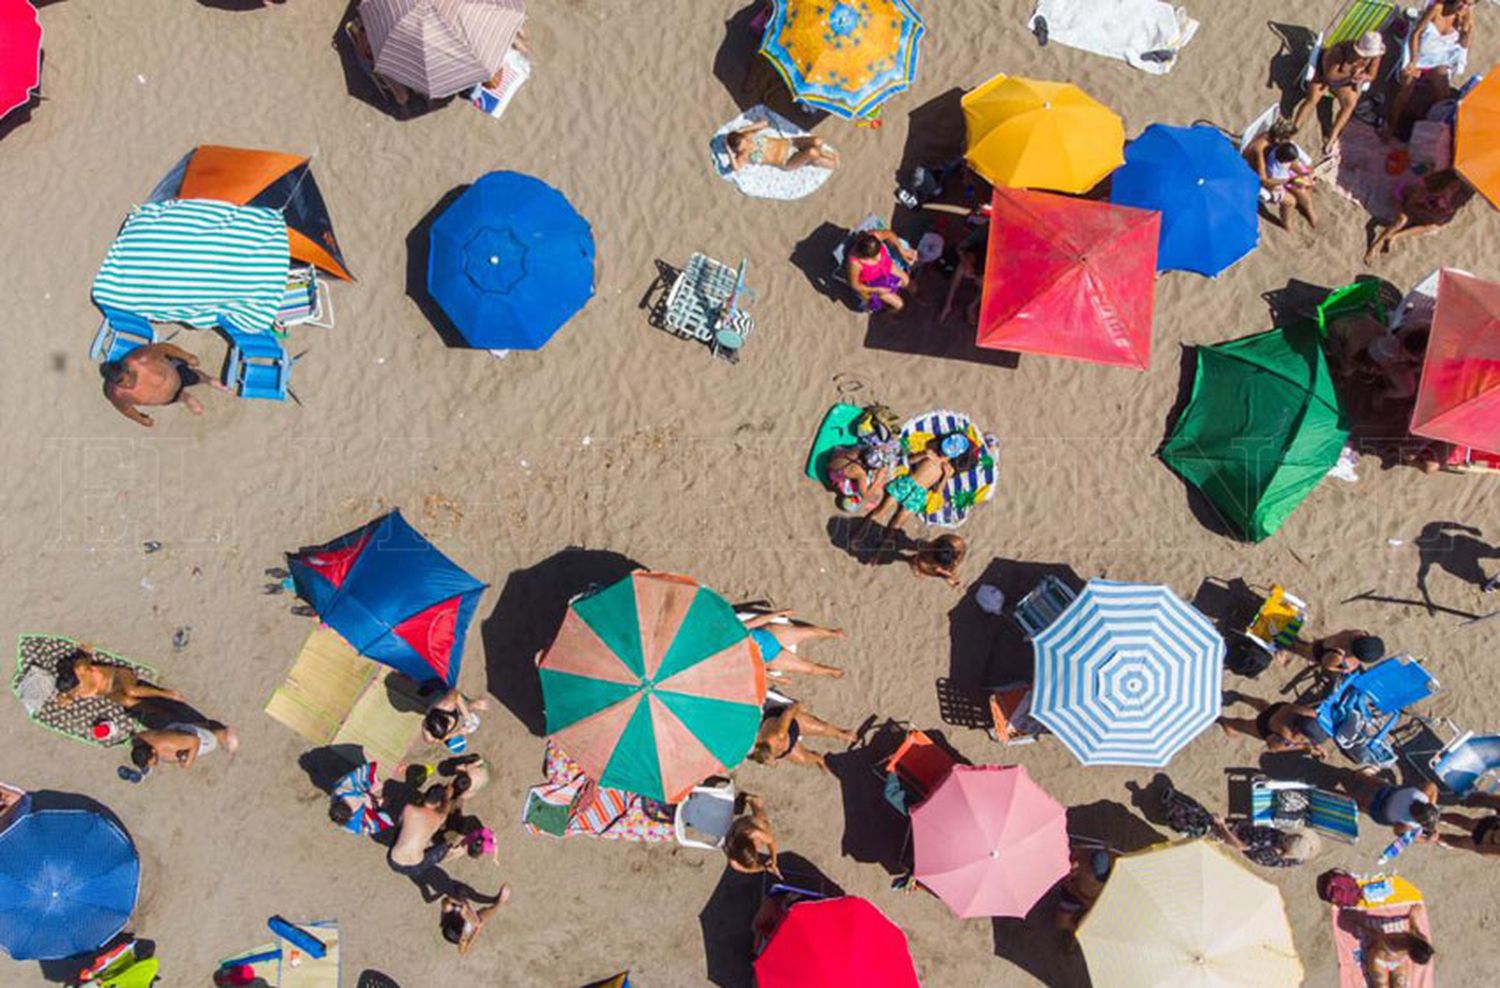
[1262, 427]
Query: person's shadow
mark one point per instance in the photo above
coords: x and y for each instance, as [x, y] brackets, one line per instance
[526, 618]
[1457, 550]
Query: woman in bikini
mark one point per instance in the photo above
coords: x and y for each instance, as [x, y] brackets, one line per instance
[778, 639]
[1394, 948]
[854, 482]
[1424, 206]
[751, 146]
[873, 274]
[781, 733]
[461, 922]
[750, 845]
[79, 677]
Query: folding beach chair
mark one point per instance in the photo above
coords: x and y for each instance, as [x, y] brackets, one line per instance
[1362, 296]
[1259, 126]
[1043, 605]
[120, 333]
[306, 302]
[1295, 805]
[1278, 622]
[707, 811]
[704, 304]
[1366, 706]
[914, 770]
[259, 366]
[841, 252]
[1466, 763]
[1010, 712]
[1356, 17]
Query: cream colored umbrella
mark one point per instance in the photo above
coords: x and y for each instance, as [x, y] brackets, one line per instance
[1188, 916]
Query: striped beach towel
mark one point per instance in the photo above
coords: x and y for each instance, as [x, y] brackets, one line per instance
[967, 489]
[612, 814]
[194, 261]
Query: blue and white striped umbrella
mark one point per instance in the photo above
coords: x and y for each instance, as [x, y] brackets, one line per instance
[1128, 674]
[194, 260]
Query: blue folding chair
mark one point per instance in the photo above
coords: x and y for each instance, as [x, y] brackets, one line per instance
[1043, 605]
[120, 333]
[259, 366]
[1468, 762]
[1365, 707]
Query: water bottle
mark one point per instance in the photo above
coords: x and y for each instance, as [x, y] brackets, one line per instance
[1394, 848]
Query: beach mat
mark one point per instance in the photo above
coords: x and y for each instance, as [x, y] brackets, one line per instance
[836, 429]
[1359, 169]
[966, 490]
[334, 695]
[1347, 943]
[1121, 29]
[37, 658]
[766, 181]
[308, 972]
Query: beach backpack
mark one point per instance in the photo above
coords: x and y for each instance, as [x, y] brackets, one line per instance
[1245, 658]
[1339, 888]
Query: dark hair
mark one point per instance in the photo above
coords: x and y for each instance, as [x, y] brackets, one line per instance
[742, 852]
[1415, 342]
[67, 674]
[942, 553]
[1419, 950]
[864, 244]
[1285, 153]
[1309, 728]
[1100, 864]
[735, 141]
[439, 721]
[113, 371]
[1426, 815]
[434, 795]
[141, 753]
[340, 812]
[1367, 649]
[461, 783]
[453, 924]
[451, 766]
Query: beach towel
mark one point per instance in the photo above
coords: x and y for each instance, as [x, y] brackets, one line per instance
[361, 782]
[766, 181]
[836, 429]
[1123, 29]
[1359, 165]
[1347, 942]
[611, 813]
[37, 658]
[950, 507]
[295, 968]
[514, 72]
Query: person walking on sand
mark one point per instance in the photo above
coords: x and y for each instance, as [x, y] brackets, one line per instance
[154, 374]
[781, 733]
[1402, 808]
[461, 922]
[1282, 726]
[778, 639]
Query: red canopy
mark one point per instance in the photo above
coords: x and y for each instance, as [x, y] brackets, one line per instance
[1459, 398]
[1070, 278]
[843, 941]
[20, 53]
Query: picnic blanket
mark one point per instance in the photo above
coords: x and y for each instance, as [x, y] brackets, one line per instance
[34, 683]
[612, 813]
[1359, 169]
[1122, 29]
[766, 181]
[307, 972]
[950, 507]
[1351, 951]
[836, 430]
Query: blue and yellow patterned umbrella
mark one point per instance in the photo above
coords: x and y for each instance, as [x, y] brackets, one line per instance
[844, 56]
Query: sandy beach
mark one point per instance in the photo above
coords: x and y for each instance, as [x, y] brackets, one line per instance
[618, 444]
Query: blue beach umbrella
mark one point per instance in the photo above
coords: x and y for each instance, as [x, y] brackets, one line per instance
[68, 883]
[1206, 193]
[510, 261]
[1128, 674]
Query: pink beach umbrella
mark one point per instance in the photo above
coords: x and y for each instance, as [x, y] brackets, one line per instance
[990, 841]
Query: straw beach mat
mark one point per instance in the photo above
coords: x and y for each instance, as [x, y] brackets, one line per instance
[307, 972]
[334, 695]
[34, 683]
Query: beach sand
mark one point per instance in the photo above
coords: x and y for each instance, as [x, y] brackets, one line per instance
[622, 444]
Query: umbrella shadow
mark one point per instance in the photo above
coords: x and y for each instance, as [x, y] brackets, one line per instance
[526, 617]
[1109, 822]
[1035, 945]
[1203, 510]
[1295, 302]
[935, 136]
[22, 114]
[748, 77]
[418, 246]
[725, 919]
[986, 650]
[69, 970]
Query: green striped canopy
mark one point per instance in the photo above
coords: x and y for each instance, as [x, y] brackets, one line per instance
[194, 261]
[653, 685]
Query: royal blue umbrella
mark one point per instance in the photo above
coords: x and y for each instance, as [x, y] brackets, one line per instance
[510, 261]
[1206, 193]
[68, 882]
[1127, 674]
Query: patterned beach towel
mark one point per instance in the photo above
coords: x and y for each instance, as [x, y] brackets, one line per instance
[611, 814]
[37, 658]
[766, 181]
[950, 507]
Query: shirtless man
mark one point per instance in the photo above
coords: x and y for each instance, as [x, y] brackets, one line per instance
[1338, 653]
[180, 744]
[80, 677]
[155, 374]
[1283, 726]
[415, 852]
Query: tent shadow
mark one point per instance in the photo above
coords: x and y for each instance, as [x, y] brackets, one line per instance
[526, 617]
[417, 248]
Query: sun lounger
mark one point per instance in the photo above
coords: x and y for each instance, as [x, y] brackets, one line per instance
[306, 302]
[1366, 706]
[1295, 805]
[1466, 763]
[1043, 605]
[1356, 17]
[37, 658]
[708, 812]
[704, 304]
[914, 770]
[1010, 712]
[1278, 622]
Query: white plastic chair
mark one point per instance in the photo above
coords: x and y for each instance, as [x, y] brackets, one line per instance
[708, 810]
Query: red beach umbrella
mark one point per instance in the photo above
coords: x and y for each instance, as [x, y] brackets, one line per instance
[842, 941]
[20, 53]
[1458, 400]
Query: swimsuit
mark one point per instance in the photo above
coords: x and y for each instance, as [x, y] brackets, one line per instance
[1263, 719]
[207, 742]
[908, 493]
[1436, 50]
[757, 155]
[186, 376]
[769, 646]
[431, 858]
[793, 731]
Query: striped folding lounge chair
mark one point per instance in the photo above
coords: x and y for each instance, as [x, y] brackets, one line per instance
[306, 302]
[968, 488]
[1278, 622]
[1294, 805]
[1356, 17]
[1043, 605]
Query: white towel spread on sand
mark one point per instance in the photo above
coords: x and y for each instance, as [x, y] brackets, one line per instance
[766, 181]
[1123, 29]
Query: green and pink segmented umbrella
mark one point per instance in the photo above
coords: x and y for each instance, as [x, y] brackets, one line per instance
[653, 685]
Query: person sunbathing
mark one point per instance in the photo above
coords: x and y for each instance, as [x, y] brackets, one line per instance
[1282, 726]
[1424, 206]
[180, 744]
[1482, 835]
[751, 146]
[781, 732]
[154, 374]
[750, 845]
[852, 480]
[873, 273]
[80, 677]
[778, 640]
[1394, 947]
[928, 471]
[1438, 46]
[1338, 653]
[451, 719]
[461, 922]
[1344, 70]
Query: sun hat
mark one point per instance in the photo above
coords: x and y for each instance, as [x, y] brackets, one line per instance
[1370, 45]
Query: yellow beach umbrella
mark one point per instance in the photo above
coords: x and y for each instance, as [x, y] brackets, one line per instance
[1029, 134]
[1187, 916]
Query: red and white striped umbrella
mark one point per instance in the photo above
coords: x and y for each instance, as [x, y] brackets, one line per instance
[440, 47]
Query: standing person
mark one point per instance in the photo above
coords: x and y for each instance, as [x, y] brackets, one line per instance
[1344, 70]
[1338, 653]
[750, 845]
[1437, 46]
[181, 744]
[154, 374]
[1425, 205]
[778, 640]
[461, 922]
[452, 719]
[781, 733]
[416, 851]
[872, 272]
[1282, 726]
[1402, 808]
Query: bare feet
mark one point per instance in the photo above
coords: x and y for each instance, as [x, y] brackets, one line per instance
[193, 404]
[231, 740]
[480, 704]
